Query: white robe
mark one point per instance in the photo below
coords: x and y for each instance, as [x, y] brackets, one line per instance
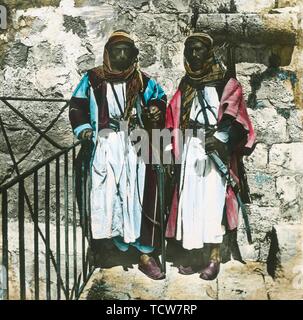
[117, 181]
[202, 189]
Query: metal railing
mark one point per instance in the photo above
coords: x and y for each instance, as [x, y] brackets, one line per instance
[47, 209]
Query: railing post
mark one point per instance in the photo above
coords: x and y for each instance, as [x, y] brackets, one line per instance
[21, 240]
[83, 214]
[5, 288]
[47, 232]
[58, 231]
[74, 220]
[66, 218]
[36, 239]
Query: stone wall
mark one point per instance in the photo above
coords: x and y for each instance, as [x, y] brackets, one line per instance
[50, 44]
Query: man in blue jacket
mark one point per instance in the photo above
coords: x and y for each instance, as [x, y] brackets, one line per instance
[123, 197]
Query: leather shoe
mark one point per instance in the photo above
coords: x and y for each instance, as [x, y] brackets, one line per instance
[188, 270]
[211, 271]
[149, 267]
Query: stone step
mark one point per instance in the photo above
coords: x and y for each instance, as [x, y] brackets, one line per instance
[236, 281]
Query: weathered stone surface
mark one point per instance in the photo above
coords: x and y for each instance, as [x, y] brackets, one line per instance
[75, 24]
[286, 157]
[287, 3]
[287, 188]
[286, 251]
[236, 281]
[262, 188]
[147, 55]
[258, 159]
[17, 55]
[152, 26]
[86, 62]
[268, 28]
[45, 54]
[169, 57]
[290, 241]
[254, 6]
[278, 93]
[288, 192]
[262, 220]
[295, 125]
[19, 4]
[213, 6]
[232, 286]
[172, 6]
[269, 125]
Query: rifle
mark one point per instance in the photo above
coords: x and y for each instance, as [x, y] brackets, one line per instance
[230, 181]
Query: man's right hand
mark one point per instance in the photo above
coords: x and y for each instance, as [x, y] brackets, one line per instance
[86, 134]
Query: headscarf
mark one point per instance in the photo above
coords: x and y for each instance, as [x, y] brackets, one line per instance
[111, 75]
[132, 76]
[212, 72]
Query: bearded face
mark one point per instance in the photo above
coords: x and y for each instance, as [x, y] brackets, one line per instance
[196, 53]
[121, 56]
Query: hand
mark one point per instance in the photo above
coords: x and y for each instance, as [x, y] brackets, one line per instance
[154, 114]
[86, 134]
[213, 144]
[169, 168]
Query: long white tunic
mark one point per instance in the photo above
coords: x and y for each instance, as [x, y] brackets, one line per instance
[117, 181]
[202, 189]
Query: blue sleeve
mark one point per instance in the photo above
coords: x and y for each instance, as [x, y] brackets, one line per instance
[155, 95]
[79, 107]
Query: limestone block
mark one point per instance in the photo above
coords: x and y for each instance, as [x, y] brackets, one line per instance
[171, 6]
[254, 6]
[287, 248]
[45, 53]
[251, 28]
[241, 282]
[258, 159]
[17, 55]
[269, 126]
[286, 157]
[261, 219]
[295, 125]
[262, 188]
[287, 188]
[275, 90]
[75, 24]
[147, 55]
[149, 25]
[85, 62]
[213, 6]
[288, 192]
[287, 3]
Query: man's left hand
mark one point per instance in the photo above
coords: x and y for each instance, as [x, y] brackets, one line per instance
[154, 114]
[213, 144]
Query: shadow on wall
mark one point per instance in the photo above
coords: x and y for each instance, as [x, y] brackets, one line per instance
[273, 71]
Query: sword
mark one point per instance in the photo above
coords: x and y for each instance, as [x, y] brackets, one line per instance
[160, 177]
[224, 172]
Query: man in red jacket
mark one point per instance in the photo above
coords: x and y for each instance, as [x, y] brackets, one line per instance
[204, 207]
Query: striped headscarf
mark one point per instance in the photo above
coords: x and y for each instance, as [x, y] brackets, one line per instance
[212, 72]
[132, 76]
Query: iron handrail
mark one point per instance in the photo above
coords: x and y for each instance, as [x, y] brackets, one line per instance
[33, 99]
[37, 167]
[22, 195]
